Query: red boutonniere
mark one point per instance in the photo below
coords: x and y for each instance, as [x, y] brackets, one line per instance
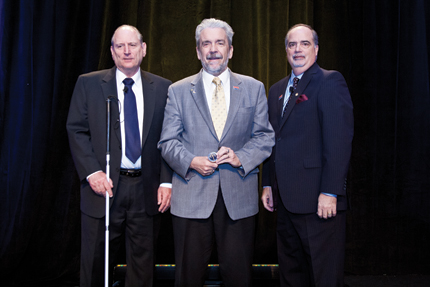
[301, 98]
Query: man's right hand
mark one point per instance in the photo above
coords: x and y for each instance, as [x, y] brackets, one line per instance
[203, 166]
[100, 185]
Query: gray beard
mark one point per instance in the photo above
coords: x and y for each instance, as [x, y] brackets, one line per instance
[297, 65]
[215, 72]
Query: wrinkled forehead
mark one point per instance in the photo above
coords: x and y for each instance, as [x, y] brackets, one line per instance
[125, 35]
[300, 34]
[214, 34]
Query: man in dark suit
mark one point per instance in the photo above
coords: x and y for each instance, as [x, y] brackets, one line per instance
[312, 115]
[215, 134]
[140, 181]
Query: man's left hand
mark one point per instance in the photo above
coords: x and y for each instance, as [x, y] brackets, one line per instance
[326, 206]
[227, 155]
[163, 197]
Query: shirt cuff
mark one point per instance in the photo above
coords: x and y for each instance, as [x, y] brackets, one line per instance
[329, 194]
[165, 184]
[93, 173]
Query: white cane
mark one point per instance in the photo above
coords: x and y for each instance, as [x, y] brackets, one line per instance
[108, 100]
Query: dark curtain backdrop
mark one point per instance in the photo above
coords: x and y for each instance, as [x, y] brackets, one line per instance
[381, 47]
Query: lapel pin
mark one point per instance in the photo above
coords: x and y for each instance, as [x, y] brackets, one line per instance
[297, 94]
[235, 87]
[280, 97]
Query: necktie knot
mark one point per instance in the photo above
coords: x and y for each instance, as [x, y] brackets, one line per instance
[295, 83]
[128, 82]
[216, 81]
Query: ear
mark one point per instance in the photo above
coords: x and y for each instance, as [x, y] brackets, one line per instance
[199, 56]
[144, 49]
[230, 53]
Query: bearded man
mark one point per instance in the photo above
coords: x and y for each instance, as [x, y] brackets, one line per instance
[215, 134]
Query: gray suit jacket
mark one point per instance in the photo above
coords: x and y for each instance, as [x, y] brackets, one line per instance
[188, 132]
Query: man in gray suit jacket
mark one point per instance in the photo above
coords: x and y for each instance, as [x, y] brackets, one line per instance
[214, 137]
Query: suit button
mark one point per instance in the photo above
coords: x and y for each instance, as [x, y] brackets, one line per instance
[279, 139]
[120, 147]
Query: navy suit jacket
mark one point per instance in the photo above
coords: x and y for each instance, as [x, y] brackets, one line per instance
[313, 140]
[86, 126]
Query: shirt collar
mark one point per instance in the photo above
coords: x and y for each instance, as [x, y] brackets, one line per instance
[290, 82]
[120, 76]
[224, 76]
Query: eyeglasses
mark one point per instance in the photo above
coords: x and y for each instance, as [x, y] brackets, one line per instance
[303, 44]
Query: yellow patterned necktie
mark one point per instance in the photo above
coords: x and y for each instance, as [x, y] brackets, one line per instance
[218, 108]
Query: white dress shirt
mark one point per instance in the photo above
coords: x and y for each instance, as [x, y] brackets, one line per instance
[210, 87]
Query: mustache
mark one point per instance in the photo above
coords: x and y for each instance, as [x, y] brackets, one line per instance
[213, 56]
[297, 55]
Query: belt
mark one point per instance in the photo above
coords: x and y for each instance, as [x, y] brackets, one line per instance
[130, 172]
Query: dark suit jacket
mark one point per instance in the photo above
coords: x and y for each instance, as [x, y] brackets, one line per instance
[313, 140]
[86, 126]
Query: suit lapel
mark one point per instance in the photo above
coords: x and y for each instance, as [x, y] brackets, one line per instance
[235, 100]
[198, 93]
[148, 104]
[281, 97]
[110, 90]
[303, 83]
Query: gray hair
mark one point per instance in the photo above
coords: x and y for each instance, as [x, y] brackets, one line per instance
[214, 23]
[139, 35]
[314, 33]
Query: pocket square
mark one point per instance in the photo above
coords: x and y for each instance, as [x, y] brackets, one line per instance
[301, 98]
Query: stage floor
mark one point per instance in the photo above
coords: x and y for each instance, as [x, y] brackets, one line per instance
[266, 275]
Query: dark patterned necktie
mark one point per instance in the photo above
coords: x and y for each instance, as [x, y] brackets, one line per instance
[292, 89]
[131, 123]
